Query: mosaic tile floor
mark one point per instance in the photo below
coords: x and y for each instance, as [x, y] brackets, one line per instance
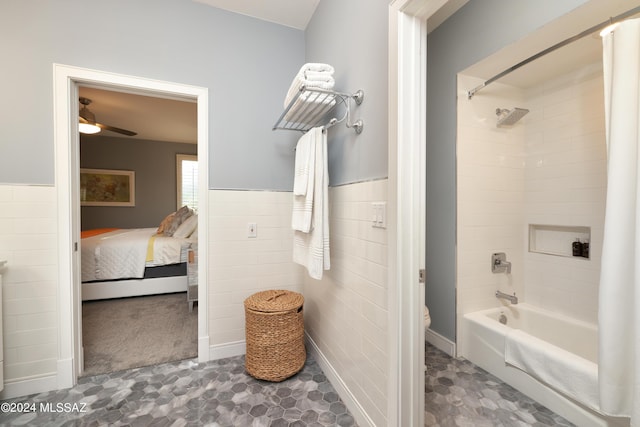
[217, 393]
[458, 393]
[220, 393]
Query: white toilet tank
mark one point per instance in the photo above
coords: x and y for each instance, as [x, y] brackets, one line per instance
[427, 318]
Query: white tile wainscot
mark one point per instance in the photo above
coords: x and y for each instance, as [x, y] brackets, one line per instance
[240, 266]
[28, 241]
[346, 313]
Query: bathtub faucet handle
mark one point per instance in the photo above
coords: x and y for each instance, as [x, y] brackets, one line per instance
[499, 263]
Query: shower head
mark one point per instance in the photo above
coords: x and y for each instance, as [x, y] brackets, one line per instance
[510, 117]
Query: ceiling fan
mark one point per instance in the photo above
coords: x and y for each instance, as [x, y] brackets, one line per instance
[88, 122]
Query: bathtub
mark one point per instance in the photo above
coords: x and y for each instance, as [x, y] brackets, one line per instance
[562, 343]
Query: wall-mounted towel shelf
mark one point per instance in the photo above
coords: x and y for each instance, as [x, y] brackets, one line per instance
[312, 107]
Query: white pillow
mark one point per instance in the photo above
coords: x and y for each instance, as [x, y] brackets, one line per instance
[187, 227]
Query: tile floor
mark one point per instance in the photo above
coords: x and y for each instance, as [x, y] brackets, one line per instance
[458, 393]
[186, 393]
[220, 393]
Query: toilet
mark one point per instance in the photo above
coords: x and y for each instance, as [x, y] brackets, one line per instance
[427, 318]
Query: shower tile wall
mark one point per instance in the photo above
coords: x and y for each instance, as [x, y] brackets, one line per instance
[565, 184]
[239, 265]
[550, 168]
[490, 181]
[346, 313]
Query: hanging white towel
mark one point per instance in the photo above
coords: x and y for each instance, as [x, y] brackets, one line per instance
[304, 180]
[311, 249]
[303, 164]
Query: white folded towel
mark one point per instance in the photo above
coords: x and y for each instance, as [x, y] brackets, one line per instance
[311, 249]
[317, 67]
[566, 372]
[318, 76]
[311, 75]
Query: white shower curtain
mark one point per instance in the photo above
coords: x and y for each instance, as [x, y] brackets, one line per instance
[619, 302]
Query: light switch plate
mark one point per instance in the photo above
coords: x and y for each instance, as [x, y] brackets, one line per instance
[379, 214]
[252, 230]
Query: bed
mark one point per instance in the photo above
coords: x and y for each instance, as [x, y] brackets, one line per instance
[118, 263]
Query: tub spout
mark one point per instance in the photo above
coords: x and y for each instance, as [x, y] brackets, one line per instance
[513, 299]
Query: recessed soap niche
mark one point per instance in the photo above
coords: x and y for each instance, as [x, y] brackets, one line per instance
[558, 239]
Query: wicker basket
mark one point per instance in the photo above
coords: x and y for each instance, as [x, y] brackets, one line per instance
[274, 334]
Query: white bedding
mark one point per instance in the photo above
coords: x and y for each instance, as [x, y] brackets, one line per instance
[122, 254]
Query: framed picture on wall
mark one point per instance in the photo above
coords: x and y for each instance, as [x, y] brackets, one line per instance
[104, 187]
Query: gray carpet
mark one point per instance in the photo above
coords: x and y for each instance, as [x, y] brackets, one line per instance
[139, 331]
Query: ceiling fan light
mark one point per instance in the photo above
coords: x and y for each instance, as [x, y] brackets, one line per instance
[88, 128]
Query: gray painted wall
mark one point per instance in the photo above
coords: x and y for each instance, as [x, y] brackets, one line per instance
[352, 37]
[155, 166]
[247, 64]
[477, 30]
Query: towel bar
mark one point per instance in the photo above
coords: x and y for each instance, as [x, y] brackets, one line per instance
[313, 107]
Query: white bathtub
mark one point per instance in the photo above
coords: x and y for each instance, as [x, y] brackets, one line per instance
[570, 342]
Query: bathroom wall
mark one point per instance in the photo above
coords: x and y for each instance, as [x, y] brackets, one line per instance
[548, 169]
[246, 63]
[240, 265]
[491, 198]
[352, 37]
[347, 313]
[565, 184]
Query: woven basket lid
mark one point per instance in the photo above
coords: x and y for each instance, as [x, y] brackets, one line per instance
[274, 301]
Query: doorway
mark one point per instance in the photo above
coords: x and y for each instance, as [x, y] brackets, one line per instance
[142, 137]
[67, 79]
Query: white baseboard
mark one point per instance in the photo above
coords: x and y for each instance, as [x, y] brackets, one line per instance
[339, 385]
[62, 379]
[204, 351]
[440, 342]
[66, 374]
[222, 351]
[29, 386]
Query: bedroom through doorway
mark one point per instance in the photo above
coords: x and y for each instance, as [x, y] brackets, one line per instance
[138, 188]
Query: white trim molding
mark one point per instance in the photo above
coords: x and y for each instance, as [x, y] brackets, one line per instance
[442, 343]
[28, 386]
[407, 171]
[228, 349]
[66, 141]
[350, 401]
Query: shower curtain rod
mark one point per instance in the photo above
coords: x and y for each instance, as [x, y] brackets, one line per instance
[556, 46]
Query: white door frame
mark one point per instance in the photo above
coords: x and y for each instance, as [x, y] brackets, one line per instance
[407, 183]
[66, 141]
